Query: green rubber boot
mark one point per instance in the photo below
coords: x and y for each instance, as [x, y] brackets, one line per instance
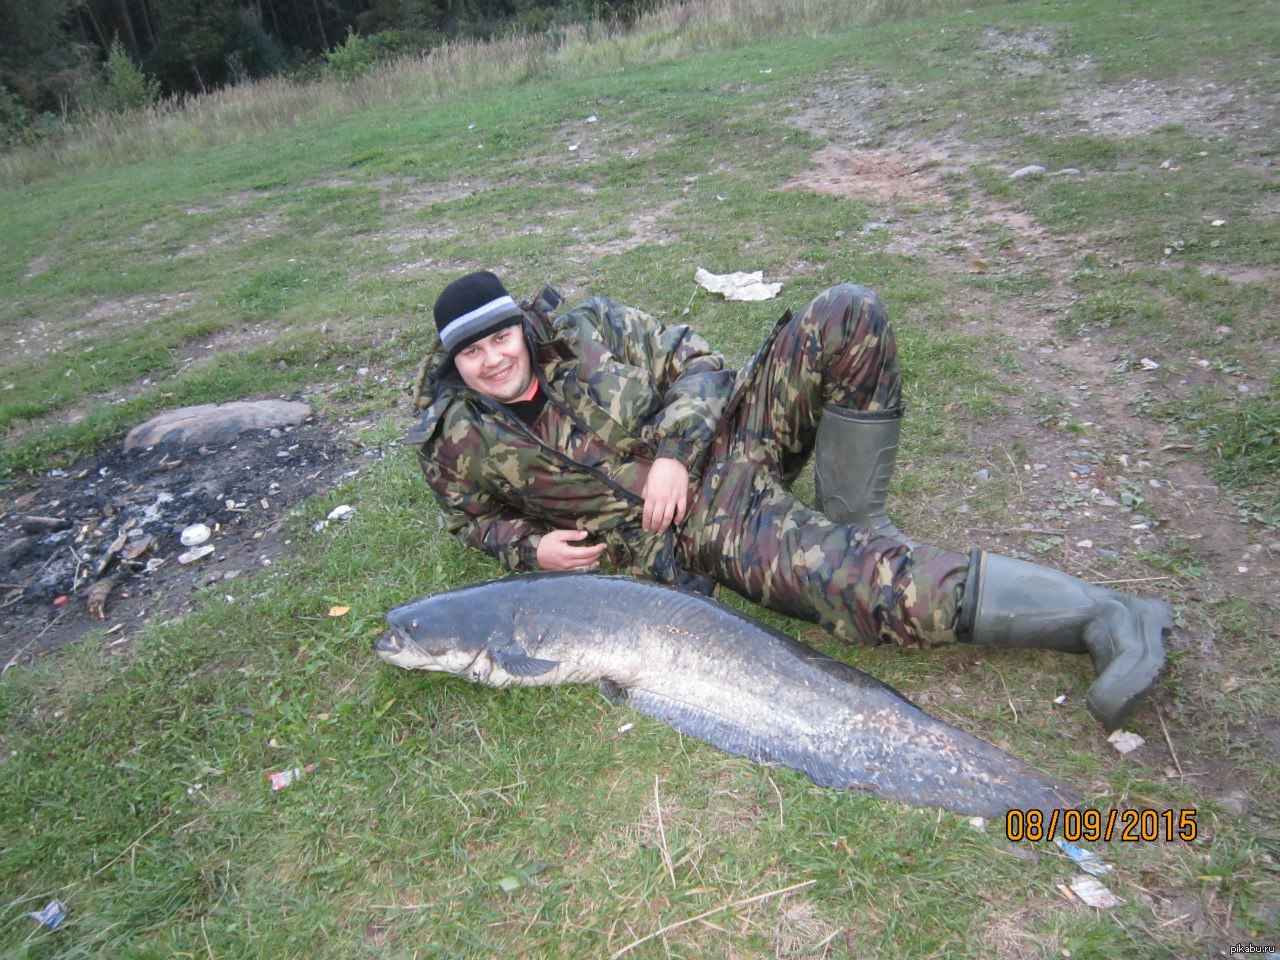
[1012, 603]
[854, 456]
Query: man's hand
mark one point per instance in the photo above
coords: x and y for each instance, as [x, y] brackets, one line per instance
[556, 551]
[666, 494]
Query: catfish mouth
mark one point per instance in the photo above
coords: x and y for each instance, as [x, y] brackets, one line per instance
[397, 648]
[390, 643]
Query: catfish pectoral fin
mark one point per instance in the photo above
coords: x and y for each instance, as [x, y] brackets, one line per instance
[516, 661]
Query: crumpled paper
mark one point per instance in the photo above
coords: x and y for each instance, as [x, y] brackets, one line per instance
[1094, 893]
[1125, 742]
[737, 286]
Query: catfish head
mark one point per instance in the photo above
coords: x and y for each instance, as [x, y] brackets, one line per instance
[464, 632]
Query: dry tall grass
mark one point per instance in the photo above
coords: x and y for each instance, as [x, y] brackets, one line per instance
[245, 111]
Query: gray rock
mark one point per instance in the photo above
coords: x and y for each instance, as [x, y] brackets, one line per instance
[213, 423]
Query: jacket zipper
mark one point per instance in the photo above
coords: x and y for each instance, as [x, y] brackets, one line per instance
[559, 455]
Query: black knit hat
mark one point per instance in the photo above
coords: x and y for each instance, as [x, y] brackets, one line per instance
[471, 308]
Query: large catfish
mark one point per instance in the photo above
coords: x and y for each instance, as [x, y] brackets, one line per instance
[715, 674]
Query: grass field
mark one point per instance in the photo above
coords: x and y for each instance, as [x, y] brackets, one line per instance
[1092, 369]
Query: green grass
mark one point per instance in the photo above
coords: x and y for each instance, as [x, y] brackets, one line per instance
[1241, 436]
[447, 820]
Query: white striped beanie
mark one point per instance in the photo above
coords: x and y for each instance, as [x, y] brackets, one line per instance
[471, 308]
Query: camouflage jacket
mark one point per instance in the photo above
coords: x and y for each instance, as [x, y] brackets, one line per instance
[621, 391]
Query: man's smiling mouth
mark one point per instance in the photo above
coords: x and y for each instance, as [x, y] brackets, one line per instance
[501, 374]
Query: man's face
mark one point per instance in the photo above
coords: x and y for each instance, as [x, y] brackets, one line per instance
[498, 366]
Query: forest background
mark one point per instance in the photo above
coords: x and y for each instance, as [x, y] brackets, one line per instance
[64, 60]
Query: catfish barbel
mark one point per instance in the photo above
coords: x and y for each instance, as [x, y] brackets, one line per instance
[715, 674]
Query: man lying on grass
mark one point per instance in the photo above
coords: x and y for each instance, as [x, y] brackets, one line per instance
[602, 435]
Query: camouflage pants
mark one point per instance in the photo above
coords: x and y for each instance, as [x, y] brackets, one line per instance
[747, 531]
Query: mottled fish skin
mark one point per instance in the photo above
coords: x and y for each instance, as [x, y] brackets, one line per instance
[716, 674]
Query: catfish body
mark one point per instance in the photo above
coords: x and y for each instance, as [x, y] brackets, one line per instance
[715, 674]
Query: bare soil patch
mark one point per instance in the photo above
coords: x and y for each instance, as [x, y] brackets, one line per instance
[1143, 106]
[645, 227]
[235, 234]
[97, 321]
[402, 194]
[115, 521]
[883, 175]
[1018, 45]
[38, 266]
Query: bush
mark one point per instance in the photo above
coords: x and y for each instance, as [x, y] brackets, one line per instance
[355, 58]
[360, 54]
[127, 86]
[20, 125]
[15, 119]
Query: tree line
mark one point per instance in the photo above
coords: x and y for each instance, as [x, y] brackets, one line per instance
[60, 57]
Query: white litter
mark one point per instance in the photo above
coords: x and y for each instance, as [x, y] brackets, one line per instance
[738, 286]
[195, 535]
[1125, 742]
[196, 553]
[1094, 893]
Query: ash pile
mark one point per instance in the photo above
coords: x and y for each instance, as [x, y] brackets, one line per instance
[192, 498]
